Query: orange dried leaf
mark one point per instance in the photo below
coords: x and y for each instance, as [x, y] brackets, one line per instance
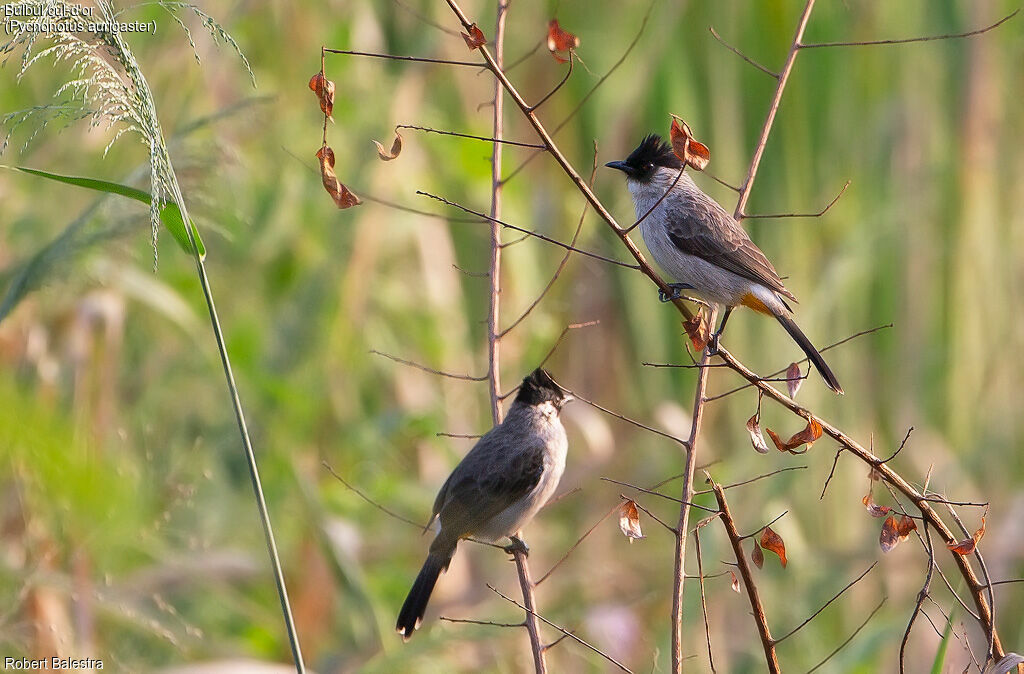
[757, 556]
[691, 152]
[343, 196]
[476, 38]
[905, 526]
[807, 436]
[772, 541]
[560, 40]
[396, 148]
[889, 536]
[629, 521]
[698, 330]
[794, 379]
[873, 508]
[967, 546]
[735, 583]
[754, 428]
[324, 90]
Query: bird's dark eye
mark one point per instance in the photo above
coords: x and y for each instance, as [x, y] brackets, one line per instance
[650, 166]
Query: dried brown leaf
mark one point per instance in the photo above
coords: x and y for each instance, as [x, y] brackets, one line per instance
[772, 541]
[343, 196]
[396, 148]
[691, 152]
[476, 38]
[967, 546]
[794, 379]
[560, 40]
[698, 330]
[756, 438]
[757, 556]
[873, 508]
[324, 90]
[807, 436]
[629, 521]
[735, 582]
[889, 536]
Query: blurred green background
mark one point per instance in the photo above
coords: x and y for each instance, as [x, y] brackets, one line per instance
[127, 522]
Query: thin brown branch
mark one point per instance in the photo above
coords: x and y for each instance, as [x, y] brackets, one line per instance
[554, 347]
[425, 19]
[907, 40]
[644, 490]
[442, 373]
[658, 202]
[850, 638]
[548, 647]
[577, 544]
[921, 596]
[703, 598]
[474, 274]
[442, 132]
[654, 517]
[734, 50]
[825, 605]
[529, 232]
[568, 74]
[818, 214]
[414, 59]
[561, 265]
[743, 566]
[689, 468]
[527, 55]
[564, 631]
[462, 436]
[990, 633]
[773, 108]
[764, 526]
[628, 420]
[468, 621]
[804, 361]
[753, 479]
[529, 606]
[721, 182]
[900, 448]
[369, 500]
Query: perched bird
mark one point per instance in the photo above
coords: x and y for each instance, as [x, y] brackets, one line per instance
[498, 486]
[702, 247]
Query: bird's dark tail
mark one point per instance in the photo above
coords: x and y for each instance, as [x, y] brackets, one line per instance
[415, 605]
[819, 363]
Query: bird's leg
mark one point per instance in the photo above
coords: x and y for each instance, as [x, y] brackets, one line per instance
[677, 289]
[713, 343]
[517, 545]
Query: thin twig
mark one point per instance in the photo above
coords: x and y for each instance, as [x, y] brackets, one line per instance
[850, 638]
[835, 462]
[658, 202]
[734, 50]
[628, 420]
[529, 232]
[753, 479]
[469, 621]
[442, 132]
[818, 214]
[577, 544]
[743, 566]
[644, 490]
[535, 106]
[826, 605]
[764, 526]
[900, 448]
[927, 38]
[564, 631]
[442, 373]
[415, 59]
[690, 467]
[773, 108]
[703, 599]
[921, 596]
[351, 487]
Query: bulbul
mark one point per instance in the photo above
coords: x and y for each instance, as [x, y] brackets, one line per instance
[702, 247]
[498, 486]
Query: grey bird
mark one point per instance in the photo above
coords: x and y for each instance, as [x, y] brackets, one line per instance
[702, 247]
[498, 486]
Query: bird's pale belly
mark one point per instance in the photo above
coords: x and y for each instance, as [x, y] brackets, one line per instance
[709, 282]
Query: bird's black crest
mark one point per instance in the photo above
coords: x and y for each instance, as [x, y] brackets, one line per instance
[652, 150]
[539, 387]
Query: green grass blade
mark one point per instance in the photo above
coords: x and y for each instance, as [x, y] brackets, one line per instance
[940, 656]
[170, 214]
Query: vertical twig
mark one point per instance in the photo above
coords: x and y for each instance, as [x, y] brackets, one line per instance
[743, 566]
[782, 77]
[684, 510]
[494, 322]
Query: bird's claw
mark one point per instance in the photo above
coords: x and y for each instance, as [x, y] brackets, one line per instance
[677, 292]
[517, 545]
[713, 343]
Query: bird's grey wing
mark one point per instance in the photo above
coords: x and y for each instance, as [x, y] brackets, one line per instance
[490, 479]
[706, 231]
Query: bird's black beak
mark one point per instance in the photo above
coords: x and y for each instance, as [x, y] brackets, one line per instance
[620, 165]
